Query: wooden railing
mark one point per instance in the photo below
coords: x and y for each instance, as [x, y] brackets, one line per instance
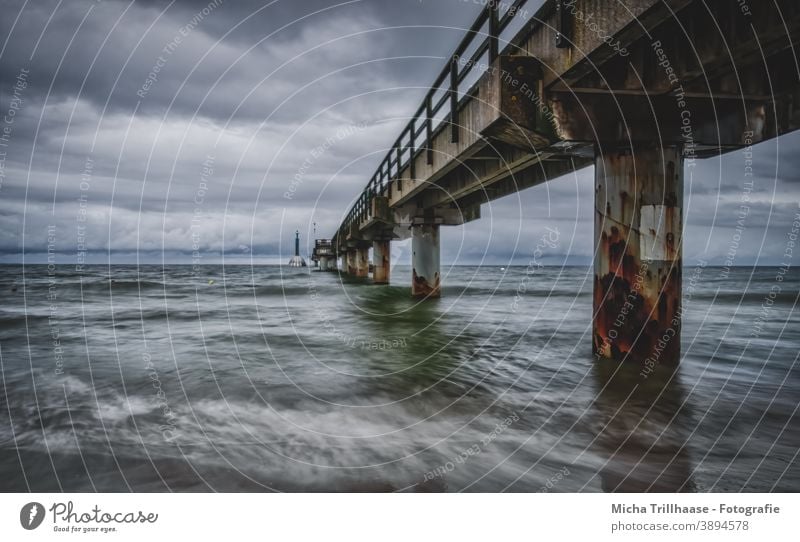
[417, 136]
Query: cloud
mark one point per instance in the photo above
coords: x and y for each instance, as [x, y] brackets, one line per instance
[251, 92]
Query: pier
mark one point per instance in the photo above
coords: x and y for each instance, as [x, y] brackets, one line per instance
[323, 255]
[640, 90]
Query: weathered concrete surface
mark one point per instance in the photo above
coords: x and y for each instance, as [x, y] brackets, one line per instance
[694, 78]
[637, 268]
[380, 261]
[362, 262]
[425, 272]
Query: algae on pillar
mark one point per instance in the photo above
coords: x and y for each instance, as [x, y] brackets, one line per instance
[425, 274]
[637, 267]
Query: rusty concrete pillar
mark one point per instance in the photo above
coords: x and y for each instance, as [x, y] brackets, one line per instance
[331, 264]
[380, 261]
[425, 273]
[351, 261]
[637, 266]
[362, 262]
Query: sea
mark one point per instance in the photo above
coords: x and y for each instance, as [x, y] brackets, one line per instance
[171, 378]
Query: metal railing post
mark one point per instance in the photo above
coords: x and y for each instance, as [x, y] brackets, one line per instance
[454, 100]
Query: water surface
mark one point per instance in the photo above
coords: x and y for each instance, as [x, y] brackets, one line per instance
[268, 378]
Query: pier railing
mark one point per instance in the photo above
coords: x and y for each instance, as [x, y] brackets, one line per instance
[417, 136]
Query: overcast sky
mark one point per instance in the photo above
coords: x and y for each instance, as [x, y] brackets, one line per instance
[241, 99]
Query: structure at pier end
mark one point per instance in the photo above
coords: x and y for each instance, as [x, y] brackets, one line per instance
[641, 93]
[324, 255]
[297, 260]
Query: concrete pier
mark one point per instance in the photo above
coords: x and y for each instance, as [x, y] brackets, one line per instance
[351, 262]
[557, 99]
[637, 268]
[425, 277]
[380, 261]
[324, 254]
[362, 262]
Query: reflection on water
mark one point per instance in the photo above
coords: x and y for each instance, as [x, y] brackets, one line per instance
[644, 431]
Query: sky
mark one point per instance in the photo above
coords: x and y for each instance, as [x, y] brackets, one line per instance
[152, 132]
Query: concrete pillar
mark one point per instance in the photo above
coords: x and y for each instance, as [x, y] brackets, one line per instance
[351, 261]
[380, 261]
[331, 264]
[425, 278]
[637, 266]
[362, 262]
[323, 263]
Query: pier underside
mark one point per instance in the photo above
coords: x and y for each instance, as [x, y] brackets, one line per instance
[640, 112]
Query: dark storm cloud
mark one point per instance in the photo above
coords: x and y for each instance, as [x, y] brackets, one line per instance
[242, 97]
[242, 58]
[253, 87]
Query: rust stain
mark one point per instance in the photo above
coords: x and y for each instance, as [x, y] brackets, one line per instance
[636, 303]
[385, 260]
[623, 198]
[630, 320]
[637, 282]
[421, 287]
[362, 263]
[352, 266]
[381, 271]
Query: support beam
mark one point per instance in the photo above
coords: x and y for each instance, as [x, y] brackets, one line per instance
[637, 267]
[351, 261]
[362, 262]
[331, 265]
[323, 263]
[425, 277]
[380, 261]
